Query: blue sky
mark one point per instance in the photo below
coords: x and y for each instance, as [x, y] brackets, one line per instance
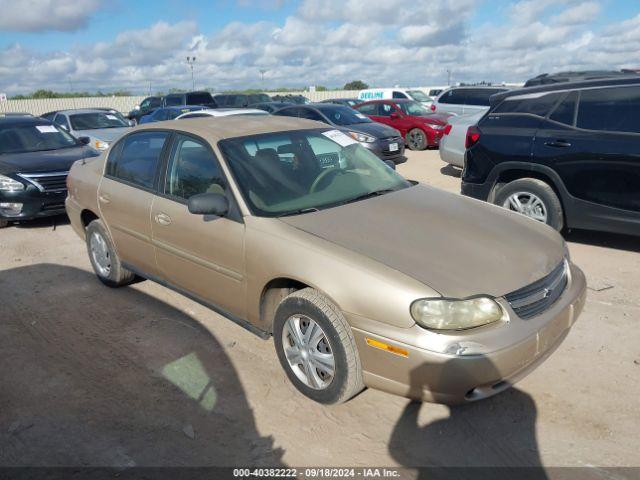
[108, 45]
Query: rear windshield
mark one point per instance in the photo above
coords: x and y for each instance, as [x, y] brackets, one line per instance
[201, 98]
[34, 138]
[96, 120]
[259, 98]
[540, 106]
[342, 115]
[419, 95]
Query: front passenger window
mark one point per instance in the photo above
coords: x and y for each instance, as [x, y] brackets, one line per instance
[193, 169]
[137, 159]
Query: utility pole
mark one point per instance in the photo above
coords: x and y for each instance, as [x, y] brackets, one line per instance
[262, 72]
[191, 61]
[448, 77]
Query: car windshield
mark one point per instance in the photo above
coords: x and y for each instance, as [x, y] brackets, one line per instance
[34, 138]
[290, 173]
[419, 95]
[414, 108]
[342, 115]
[96, 120]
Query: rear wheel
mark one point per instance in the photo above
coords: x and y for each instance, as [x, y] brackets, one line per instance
[416, 139]
[316, 347]
[103, 257]
[534, 198]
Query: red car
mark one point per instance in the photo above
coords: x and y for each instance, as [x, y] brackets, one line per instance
[420, 127]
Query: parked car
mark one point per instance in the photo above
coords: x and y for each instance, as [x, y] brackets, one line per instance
[15, 114]
[394, 94]
[575, 76]
[419, 126]
[294, 230]
[270, 107]
[189, 98]
[240, 100]
[465, 100]
[222, 112]
[565, 154]
[435, 91]
[169, 113]
[102, 126]
[347, 102]
[296, 99]
[147, 106]
[454, 137]
[382, 140]
[35, 157]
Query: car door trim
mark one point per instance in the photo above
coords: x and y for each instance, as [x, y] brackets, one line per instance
[133, 233]
[238, 277]
[235, 319]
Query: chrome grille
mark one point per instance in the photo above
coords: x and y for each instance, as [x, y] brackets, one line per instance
[48, 182]
[537, 297]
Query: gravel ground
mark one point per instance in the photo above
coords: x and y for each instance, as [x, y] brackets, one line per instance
[144, 376]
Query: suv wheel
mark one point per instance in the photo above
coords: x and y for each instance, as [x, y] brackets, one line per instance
[416, 139]
[103, 257]
[316, 347]
[533, 198]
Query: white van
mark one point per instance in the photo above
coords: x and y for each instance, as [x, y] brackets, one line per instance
[391, 93]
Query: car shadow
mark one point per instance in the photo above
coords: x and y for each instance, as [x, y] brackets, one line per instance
[604, 239]
[490, 438]
[45, 222]
[93, 376]
[451, 171]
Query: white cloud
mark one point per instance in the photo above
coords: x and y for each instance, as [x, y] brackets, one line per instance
[46, 15]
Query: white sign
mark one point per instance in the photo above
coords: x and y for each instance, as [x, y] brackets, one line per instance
[3, 97]
[339, 137]
[112, 117]
[47, 129]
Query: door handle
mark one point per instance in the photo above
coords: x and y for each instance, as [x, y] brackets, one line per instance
[558, 144]
[104, 199]
[163, 219]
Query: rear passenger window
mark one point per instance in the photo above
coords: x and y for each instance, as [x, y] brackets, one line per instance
[610, 109]
[565, 112]
[172, 101]
[369, 109]
[454, 97]
[192, 170]
[479, 96]
[137, 158]
[540, 106]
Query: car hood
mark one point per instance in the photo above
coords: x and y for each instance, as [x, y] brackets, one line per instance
[456, 245]
[433, 118]
[51, 161]
[104, 134]
[374, 129]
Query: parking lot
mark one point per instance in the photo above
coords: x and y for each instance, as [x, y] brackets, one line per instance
[144, 376]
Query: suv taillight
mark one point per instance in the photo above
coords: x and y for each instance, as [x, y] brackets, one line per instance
[447, 129]
[473, 135]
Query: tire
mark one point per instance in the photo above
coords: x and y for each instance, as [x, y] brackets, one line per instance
[4, 223]
[545, 206]
[99, 242]
[416, 139]
[336, 337]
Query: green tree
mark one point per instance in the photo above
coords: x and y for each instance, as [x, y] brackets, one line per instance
[356, 85]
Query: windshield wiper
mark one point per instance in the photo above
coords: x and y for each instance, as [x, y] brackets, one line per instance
[298, 212]
[364, 196]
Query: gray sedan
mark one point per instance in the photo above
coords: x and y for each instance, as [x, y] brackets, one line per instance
[452, 143]
[100, 126]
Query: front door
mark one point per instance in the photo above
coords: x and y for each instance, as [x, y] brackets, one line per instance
[203, 255]
[126, 193]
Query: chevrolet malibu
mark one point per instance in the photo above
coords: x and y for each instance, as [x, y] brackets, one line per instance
[295, 231]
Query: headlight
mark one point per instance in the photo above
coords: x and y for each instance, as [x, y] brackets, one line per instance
[361, 137]
[10, 185]
[100, 145]
[441, 314]
[435, 127]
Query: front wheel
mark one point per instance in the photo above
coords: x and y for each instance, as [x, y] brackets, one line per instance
[316, 347]
[103, 257]
[534, 198]
[416, 139]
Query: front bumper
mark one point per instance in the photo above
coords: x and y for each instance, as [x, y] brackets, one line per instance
[381, 149]
[466, 366]
[35, 204]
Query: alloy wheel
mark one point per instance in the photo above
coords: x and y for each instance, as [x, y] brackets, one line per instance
[100, 254]
[527, 204]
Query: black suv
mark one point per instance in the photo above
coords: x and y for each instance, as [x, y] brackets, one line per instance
[189, 98]
[147, 106]
[566, 154]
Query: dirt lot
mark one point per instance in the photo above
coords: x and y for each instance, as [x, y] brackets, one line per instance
[144, 376]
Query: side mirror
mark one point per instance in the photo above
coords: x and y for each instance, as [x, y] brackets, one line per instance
[84, 140]
[394, 116]
[208, 204]
[137, 107]
[390, 164]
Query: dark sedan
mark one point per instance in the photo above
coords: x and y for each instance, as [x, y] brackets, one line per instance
[347, 102]
[35, 158]
[270, 106]
[380, 139]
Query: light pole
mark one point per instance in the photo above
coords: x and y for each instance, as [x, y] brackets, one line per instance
[191, 61]
[262, 72]
[448, 77]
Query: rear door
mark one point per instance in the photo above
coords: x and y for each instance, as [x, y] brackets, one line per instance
[201, 254]
[126, 193]
[592, 140]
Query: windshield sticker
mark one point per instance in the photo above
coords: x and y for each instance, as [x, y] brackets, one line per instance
[359, 115]
[47, 129]
[112, 117]
[339, 137]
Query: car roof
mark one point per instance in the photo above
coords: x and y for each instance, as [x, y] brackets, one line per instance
[220, 112]
[181, 107]
[214, 129]
[558, 87]
[84, 110]
[16, 120]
